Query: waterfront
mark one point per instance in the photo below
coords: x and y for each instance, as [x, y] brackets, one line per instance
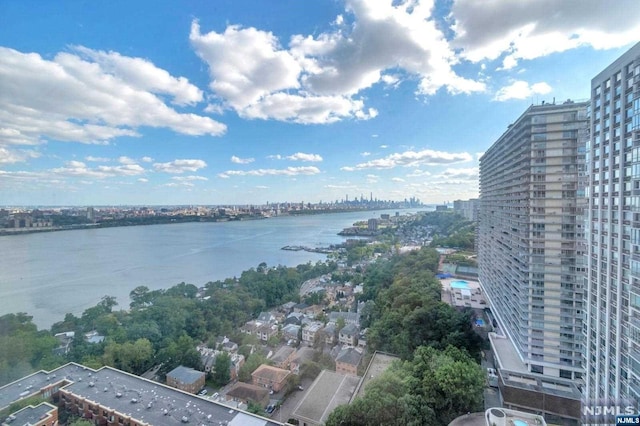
[50, 274]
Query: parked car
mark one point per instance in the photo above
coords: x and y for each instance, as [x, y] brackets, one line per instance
[202, 392]
[270, 408]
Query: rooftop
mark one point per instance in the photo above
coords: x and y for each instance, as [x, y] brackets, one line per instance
[246, 391]
[270, 373]
[130, 395]
[329, 390]
[349, 356]
[282, 354]
[31, 415]
[378, 365]
[506, 354]
[185, 374]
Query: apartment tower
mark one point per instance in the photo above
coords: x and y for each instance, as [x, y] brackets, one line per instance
[531, 238]
[612, 289]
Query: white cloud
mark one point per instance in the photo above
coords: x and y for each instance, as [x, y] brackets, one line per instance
[384, 146]
[530, 29]
[289, 171]
[365, 154]
[397, 179]
[521, 90]
[239, 160]
[180, 166]
[413, 159]
[97, 159]
[301, 156]
[126, 160]
[143, 180]
[316, 78]
[10, 156]
[468, 173]
[144, 75]
[80, 169]
[189, 178]
[91, 97]
[418, 173]
[147, 159]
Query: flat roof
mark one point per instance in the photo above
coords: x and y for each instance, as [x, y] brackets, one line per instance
[186, 375]
[329, 390]
[506, 354]
[31, 415]
[378, 365]
[129, 395]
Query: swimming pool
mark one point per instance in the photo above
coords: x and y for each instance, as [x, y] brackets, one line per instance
[518, 422]
[480, 322]
[459, 284]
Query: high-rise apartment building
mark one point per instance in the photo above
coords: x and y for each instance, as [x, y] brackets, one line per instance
[612, 290]
[531, 237]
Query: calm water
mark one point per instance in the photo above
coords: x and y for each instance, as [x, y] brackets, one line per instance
[50, 274]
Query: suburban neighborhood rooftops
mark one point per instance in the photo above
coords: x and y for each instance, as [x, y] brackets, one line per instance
[185, 374]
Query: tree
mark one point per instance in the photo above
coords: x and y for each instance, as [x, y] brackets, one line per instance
[254, 361]
[222, 369]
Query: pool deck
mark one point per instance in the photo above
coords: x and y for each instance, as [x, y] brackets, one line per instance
[459, 298]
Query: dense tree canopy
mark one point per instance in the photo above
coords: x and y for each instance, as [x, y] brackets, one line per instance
[433, 388]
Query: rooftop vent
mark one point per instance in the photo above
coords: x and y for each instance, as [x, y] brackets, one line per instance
[106, 389]
[118, 395]
[165, 412]
[134, 400]
[149, 405]
[184, 419]
[91, 384]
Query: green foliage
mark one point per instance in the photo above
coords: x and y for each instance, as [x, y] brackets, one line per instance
[431, 389]
[408, 312]
[221, 370]
[254, 361]
[448, 229]
[24, 349]
[131, 357]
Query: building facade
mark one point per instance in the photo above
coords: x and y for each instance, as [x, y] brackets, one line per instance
[531, 236]
[612, 288]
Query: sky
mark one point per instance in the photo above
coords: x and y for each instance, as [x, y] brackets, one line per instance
[156, 102]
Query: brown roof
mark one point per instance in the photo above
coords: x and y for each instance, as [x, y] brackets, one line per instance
[246, 391]
[270, 373]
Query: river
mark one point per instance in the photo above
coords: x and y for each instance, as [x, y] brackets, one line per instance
[53, 273]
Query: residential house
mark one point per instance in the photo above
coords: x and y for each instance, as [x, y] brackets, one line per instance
[309, 332]
[245, 393]
[186, 379]
[283, 356]
[300, 307]
[348, 317]
[348, 361]
[270, 377]
[348, 335]
[330, 331]
[291, 332]
[266, 331]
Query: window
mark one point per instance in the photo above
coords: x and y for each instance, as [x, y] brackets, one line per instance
[538, 369]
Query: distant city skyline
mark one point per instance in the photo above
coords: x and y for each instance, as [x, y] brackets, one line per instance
[243, 102]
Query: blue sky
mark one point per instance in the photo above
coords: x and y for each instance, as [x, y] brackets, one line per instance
[248, 102]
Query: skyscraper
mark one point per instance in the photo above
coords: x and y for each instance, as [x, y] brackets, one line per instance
[612, 290]
[531, 236]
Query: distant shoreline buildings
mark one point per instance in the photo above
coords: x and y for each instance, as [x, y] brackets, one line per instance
[25, 220]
